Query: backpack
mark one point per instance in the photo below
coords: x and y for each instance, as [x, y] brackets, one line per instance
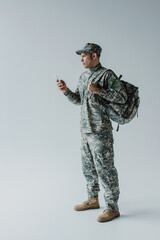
[123, 113]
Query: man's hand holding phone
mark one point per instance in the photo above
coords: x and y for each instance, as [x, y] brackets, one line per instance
[61, 85]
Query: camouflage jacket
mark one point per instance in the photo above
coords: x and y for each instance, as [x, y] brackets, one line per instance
[94, 118]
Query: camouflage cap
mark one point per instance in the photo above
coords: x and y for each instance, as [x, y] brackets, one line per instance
[90, 48]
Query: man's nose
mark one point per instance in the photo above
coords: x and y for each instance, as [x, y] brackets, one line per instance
[81, 59]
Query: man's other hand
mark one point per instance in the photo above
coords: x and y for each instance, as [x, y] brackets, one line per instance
[92, 87]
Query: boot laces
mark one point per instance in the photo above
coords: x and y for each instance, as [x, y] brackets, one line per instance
[86, 202]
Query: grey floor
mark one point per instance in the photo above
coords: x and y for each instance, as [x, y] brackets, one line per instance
[37, 202]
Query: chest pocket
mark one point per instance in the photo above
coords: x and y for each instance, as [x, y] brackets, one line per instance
[83, 90]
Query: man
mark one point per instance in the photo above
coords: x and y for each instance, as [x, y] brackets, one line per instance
[96, 130]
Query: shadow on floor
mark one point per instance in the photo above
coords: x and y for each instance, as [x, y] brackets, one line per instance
[150, 214]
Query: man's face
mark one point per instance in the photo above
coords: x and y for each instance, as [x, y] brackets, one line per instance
[86, 60]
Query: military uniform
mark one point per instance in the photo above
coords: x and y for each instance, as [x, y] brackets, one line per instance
[97, 152]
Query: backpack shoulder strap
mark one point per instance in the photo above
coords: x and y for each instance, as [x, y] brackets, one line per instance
[96, 77]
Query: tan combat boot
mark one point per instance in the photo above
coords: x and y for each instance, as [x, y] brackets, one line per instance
[91, 203]
[108, 215]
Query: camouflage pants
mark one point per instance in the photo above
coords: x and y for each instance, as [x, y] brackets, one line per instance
[98, 163]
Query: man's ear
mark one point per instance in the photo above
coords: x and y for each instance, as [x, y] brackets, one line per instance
[94, 55]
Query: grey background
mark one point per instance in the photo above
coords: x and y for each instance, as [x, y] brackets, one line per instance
[40, 166]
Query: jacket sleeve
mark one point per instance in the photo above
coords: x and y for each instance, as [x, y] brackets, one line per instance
[73, 97]
[113, 90]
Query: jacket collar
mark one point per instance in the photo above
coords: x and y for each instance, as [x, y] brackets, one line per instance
[95, 68]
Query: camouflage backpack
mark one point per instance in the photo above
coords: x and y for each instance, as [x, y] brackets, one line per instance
[123, 113]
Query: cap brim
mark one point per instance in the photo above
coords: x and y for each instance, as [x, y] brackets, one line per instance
[81, 51]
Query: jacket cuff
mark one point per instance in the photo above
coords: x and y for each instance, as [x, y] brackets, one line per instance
[66, 93]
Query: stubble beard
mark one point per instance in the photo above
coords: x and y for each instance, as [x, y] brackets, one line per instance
[87, 66]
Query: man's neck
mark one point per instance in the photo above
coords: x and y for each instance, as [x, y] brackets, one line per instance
[95, 66]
